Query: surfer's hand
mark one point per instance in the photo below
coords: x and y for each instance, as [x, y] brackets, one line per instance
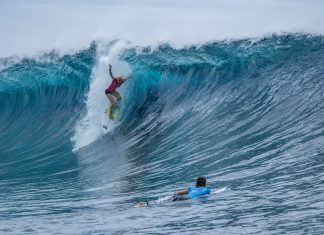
[110, 66]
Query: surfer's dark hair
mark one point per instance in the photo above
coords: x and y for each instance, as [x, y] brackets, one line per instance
[201, 182]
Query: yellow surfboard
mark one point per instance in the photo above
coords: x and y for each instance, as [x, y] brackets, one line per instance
[115, 114]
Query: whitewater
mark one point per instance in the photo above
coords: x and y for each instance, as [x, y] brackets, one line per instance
[230, 91]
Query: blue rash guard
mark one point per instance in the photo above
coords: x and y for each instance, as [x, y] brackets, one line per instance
[194, 192]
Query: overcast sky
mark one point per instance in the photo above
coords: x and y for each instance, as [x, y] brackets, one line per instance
[28, 28]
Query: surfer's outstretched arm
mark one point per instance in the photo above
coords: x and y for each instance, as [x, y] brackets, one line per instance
[181, 192]
[110, 72]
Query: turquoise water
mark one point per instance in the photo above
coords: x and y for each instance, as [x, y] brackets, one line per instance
[248, 115]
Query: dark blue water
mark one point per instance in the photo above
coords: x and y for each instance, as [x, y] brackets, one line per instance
[248, 115]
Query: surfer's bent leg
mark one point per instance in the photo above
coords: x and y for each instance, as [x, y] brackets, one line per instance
[112, 102]
[117, 95]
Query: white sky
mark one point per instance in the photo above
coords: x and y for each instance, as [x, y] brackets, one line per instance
[28, 28]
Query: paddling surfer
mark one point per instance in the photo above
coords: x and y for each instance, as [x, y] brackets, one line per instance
[198, 190]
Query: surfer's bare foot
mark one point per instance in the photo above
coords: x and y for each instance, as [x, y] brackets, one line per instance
[111, 117]
[140, 204]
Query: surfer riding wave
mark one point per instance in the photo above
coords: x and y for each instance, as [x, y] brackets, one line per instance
[111, 91]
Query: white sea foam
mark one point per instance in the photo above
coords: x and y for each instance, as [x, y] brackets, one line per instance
[89, 127]
[27, 28]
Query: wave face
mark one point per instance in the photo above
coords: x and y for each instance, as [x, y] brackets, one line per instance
[246, 114]
[40, 100]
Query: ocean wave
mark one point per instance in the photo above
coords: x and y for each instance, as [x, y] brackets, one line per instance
[247, 114]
